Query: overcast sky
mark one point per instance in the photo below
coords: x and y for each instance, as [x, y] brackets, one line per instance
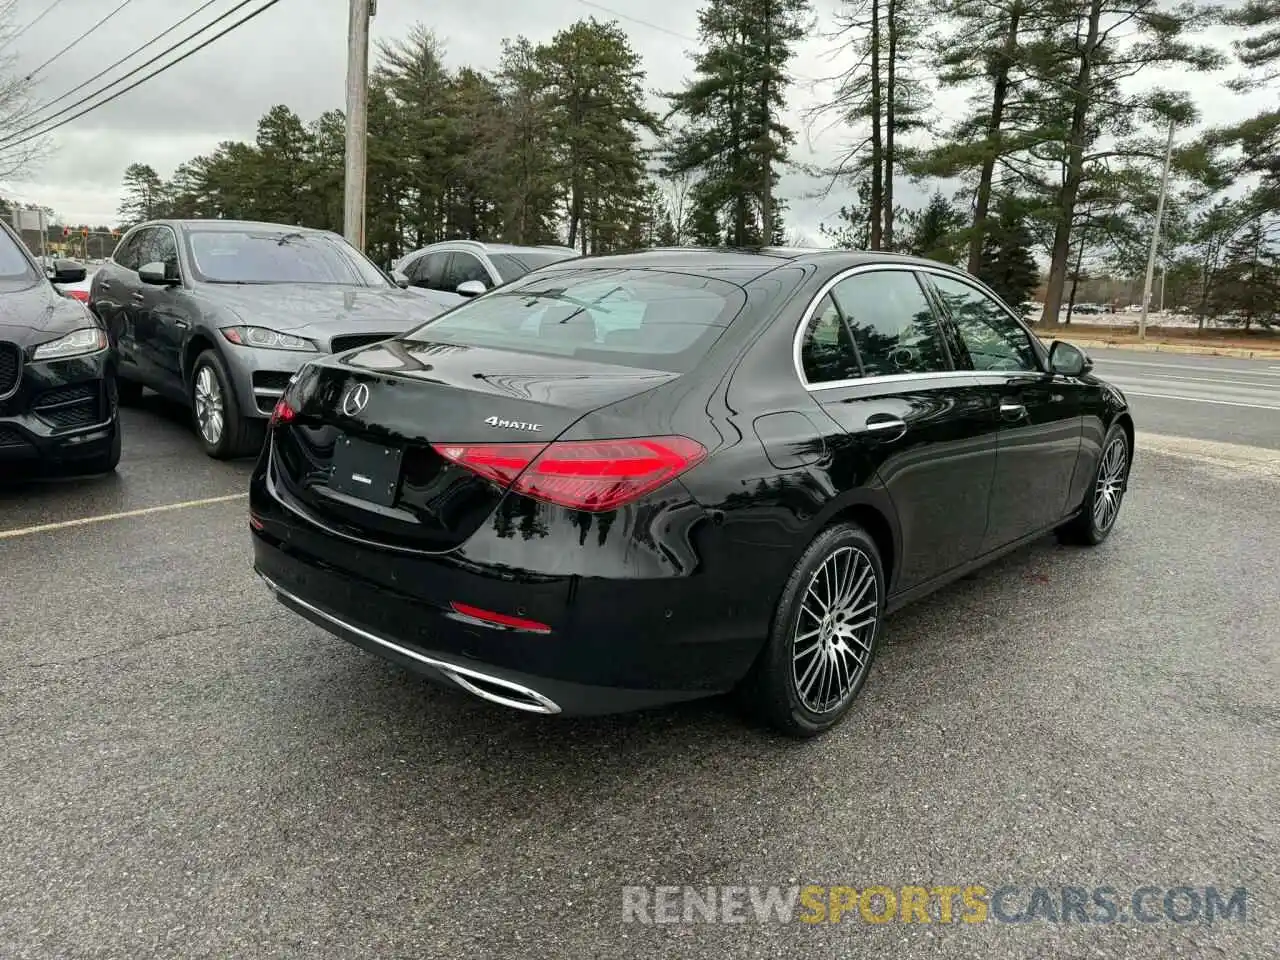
[295, 53]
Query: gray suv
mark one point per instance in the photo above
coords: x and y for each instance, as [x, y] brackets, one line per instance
[220, 314]
[466, 268]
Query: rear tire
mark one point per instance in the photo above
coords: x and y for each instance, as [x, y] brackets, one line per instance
[1102, 501]
[825, 635]
[222, 430]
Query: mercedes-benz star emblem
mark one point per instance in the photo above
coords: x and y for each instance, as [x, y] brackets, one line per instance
[356, 400]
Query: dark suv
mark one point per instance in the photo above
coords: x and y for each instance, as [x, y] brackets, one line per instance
[57, 372]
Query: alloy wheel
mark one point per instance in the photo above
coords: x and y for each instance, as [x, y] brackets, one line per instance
[1109, 488]
[209, 405]
[839, 615]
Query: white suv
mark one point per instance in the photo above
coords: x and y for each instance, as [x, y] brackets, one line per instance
[468, 267]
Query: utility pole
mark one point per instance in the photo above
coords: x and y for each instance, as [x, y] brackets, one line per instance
[353, 219]
[1155, 237]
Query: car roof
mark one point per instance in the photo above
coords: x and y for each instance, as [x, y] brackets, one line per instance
[196, 226]
[481, 247]
[743, 261]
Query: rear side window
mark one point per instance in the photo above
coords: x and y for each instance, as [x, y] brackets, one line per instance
[638, 318]
[892, 323]
[827, 353]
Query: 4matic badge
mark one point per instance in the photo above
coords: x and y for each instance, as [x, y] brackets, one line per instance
[512, 424]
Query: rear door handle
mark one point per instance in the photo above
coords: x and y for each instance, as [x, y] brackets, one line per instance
[1012, 411]
[105, 284]
[886, 428]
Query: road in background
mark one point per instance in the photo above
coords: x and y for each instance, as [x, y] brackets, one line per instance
[1208, 398]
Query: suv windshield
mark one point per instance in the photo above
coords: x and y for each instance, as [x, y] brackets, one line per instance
[265, 256]
[513, 266]
[14, 265]
[638, 318]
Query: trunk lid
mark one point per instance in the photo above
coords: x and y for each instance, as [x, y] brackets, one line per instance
[358, 455]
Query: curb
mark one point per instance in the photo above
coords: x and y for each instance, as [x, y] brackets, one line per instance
[1264, 353]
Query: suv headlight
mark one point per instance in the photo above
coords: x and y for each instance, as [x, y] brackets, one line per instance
[75, 343]
[266, 339]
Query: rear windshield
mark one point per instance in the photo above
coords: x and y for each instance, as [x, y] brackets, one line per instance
[638, 318]
[513, 266]
[267, 256]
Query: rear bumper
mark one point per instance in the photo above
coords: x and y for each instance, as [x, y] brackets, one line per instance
[429, 642]
[612, 645]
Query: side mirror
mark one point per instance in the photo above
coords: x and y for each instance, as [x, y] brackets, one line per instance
[67, 271]
[158, 274]
[1068, 359]
[471, 288]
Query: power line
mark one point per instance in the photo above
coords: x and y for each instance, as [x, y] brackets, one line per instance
[5, 141]
[77, 40]
[9, 143]
[47, 10]
[645, 23]
[128, 56]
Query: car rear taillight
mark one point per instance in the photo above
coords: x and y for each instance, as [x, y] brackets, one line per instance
[282, 413]
[593, 475]
[81, 295]
[492, 618]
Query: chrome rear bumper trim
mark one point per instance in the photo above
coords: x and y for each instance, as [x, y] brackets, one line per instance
[467, 678]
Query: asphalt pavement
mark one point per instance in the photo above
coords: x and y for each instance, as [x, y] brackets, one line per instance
[189, 771]
[1210, 398]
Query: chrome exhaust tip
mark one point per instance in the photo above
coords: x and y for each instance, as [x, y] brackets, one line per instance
[506, 693]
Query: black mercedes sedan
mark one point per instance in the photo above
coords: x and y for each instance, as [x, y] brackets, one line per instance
[630, 480]
[57, 373]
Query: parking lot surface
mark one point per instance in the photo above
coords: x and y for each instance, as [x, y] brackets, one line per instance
[192, 772]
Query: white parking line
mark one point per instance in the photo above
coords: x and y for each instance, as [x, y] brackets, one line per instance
[1226, 403]
[104, 518]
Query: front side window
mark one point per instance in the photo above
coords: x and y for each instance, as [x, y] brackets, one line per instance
[827, 352]
[430, 271]
[992, 338]
[259, 256]
[892, 322]
[130, 248]
[13, 263]
[638, 318]
[466, 267]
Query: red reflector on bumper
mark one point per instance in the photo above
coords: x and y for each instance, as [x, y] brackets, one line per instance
[498, 619]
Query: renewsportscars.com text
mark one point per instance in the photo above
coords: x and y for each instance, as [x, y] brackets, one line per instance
[969, 903]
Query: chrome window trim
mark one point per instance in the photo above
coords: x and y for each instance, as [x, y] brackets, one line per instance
[797, 343]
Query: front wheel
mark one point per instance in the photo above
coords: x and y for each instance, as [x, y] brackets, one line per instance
[825, 635]
[1101, 507]
[223, 431]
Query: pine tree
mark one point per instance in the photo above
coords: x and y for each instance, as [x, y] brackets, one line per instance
[1248, 288]
[143, 195]
[1008, 266]
[1102, 45]
[880, 95]
[526, 185]
[595, 115]
[733, 137]
[935, 231]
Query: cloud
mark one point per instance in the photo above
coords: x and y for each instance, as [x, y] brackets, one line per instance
[295, 53]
